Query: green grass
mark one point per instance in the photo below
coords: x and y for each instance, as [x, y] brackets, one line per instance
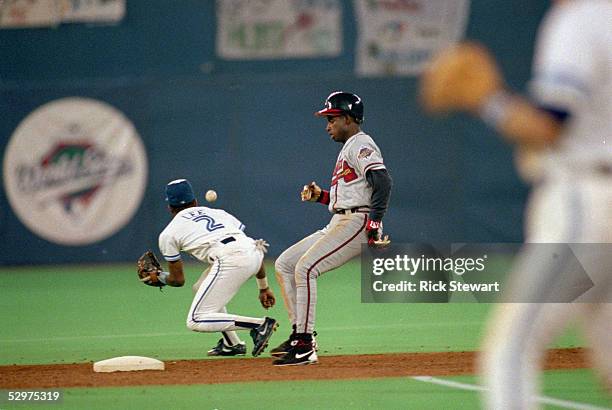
[88, 313]
[71, 314]
[579, 386]
[389, 393]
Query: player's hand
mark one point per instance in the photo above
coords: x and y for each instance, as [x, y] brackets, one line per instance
[461, 77]
[266, 297]
[375, 237]
[148, 269]
[373, 231]
[311, 192]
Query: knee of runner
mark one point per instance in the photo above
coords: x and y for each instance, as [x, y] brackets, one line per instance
[303, 268]
[282, 267]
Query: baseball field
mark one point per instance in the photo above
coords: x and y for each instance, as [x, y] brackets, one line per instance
[57, 321]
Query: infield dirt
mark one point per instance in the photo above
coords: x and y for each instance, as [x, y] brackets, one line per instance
[214, 371]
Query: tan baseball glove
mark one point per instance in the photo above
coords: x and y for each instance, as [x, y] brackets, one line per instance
[148, 269]
[311, 192]
[459, 78]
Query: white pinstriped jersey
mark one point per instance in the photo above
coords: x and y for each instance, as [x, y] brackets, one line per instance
[573, 72]
[194, 230]
[349, 187]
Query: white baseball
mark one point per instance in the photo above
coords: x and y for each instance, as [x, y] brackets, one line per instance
[211, 196]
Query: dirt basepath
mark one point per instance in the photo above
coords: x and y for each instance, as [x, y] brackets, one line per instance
[213, 371]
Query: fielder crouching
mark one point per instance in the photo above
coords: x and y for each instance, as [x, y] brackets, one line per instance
[216, 237]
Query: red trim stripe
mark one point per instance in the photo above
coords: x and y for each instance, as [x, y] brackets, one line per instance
[365, 220]
[329, 111]
[336, 196]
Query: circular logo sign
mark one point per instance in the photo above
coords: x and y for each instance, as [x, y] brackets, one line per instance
[75, 171]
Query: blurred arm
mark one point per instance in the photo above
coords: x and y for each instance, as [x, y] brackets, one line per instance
[520, 121]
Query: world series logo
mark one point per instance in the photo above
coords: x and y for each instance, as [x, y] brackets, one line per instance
[75, 171]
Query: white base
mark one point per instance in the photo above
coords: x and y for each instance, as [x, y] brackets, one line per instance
[127, 364]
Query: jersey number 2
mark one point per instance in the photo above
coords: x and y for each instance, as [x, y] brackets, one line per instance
[210, 223]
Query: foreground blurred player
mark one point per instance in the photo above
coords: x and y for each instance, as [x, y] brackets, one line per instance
[565, 129]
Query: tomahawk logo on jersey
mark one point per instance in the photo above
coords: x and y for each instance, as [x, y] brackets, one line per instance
[343, 171]
[349, 187]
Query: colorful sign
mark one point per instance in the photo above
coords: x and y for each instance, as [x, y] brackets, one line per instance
[253, 29]
[49, 13]
[75, 171]
[399, 37]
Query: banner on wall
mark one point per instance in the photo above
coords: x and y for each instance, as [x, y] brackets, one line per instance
[398, 37]
[75, 171]
[49, 13]
[93, 11]
[255, 29]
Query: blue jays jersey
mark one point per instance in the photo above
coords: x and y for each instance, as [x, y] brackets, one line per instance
[573, 73]
[195, 230]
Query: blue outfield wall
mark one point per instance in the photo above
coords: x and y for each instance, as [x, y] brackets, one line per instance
[247, 130]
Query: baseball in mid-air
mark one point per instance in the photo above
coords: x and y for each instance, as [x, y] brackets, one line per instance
[211, 195]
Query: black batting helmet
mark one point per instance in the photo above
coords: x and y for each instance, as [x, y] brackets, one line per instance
[340, 103]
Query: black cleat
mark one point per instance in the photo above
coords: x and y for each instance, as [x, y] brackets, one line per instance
[284, 347]
[300, 353]
[222, 350]
[262, 334]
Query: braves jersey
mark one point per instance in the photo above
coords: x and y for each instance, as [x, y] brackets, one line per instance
[573, 73]
[195, 230]
[349, 187]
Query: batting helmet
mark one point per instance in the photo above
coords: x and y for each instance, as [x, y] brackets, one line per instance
[340, 103]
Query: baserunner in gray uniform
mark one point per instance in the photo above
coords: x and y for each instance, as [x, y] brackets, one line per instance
[358, 199]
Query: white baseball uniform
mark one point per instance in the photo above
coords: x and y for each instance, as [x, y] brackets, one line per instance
[572, 203]
[299, 266]
[216, 237]
[349, 188]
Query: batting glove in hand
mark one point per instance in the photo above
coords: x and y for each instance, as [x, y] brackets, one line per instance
[311, 192]
[374, 233]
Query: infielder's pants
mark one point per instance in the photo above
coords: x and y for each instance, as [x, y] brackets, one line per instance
[298, 267]
[560, 212]
[233, 264]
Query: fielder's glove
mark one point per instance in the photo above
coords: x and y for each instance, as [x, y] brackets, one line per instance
[375, 235]
[148, 269]
[461, 77]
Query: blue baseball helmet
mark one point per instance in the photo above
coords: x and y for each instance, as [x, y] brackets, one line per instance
[179, 192]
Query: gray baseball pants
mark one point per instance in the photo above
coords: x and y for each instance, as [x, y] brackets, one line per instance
[298, 267]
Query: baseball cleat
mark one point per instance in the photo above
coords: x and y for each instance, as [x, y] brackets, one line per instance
[262, 334]
[300, 353]
[222, 350]
[283, 348]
